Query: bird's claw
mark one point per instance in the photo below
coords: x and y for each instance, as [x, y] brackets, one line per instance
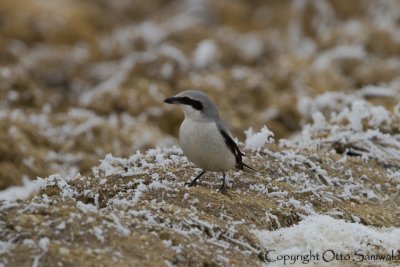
[223, 190]
[190, 184]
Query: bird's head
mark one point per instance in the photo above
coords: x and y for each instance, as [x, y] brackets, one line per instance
[195, 104]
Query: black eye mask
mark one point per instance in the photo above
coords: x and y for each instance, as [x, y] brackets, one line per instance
[191, 102]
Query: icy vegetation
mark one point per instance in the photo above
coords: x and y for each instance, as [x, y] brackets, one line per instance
[141, 202]
[91, 173]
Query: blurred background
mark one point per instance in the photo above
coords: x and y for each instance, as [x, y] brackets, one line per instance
[81, 79]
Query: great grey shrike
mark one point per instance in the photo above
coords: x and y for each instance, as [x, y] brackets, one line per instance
[204, 138]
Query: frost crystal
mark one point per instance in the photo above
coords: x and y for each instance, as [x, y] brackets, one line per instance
[255, 141]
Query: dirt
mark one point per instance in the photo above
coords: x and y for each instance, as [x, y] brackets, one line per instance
[196, 226]
[80, 81]
[85, 65]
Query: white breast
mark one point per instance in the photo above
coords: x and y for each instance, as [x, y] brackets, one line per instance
[203, 144]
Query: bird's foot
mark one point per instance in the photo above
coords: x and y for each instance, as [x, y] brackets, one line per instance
[223, 190]
[192, 183]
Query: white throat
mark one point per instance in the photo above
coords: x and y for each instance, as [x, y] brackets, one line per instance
[192, 114]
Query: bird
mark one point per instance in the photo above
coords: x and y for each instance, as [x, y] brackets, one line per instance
[204, 138]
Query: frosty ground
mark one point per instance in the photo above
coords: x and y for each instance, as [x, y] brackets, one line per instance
[137, 211]
[79, 81]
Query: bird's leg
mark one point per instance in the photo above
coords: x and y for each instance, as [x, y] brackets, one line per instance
[222, 189]
[194, 181]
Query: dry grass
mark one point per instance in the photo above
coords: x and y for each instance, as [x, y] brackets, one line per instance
[81, 80]
[54, 56]
[198, 220]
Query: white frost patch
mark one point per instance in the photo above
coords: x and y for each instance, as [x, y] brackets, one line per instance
[61, 226]
[344, 51]
[373, 90]
[131, 201]
[350, 121]
[44, 244]
[319, 121]
[85, 208]
[62, 183]
[29, 243]
[117, 224]
[98, 233]
[394, 176]
[259, 188]
[255, 141]
[360, 111]
[107, 165]
[20, 192]
[332, 101]
[319, 233]
[205, 54]
[4, 247]
[396, 110]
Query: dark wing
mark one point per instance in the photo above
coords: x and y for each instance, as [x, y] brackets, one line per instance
[233, 147]
[235, 150]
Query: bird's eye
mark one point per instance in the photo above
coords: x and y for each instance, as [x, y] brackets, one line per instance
[191, 102]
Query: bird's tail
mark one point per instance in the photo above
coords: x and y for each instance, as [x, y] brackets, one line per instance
[247, 168]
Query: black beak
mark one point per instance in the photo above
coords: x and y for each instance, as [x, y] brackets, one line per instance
[171, 100]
